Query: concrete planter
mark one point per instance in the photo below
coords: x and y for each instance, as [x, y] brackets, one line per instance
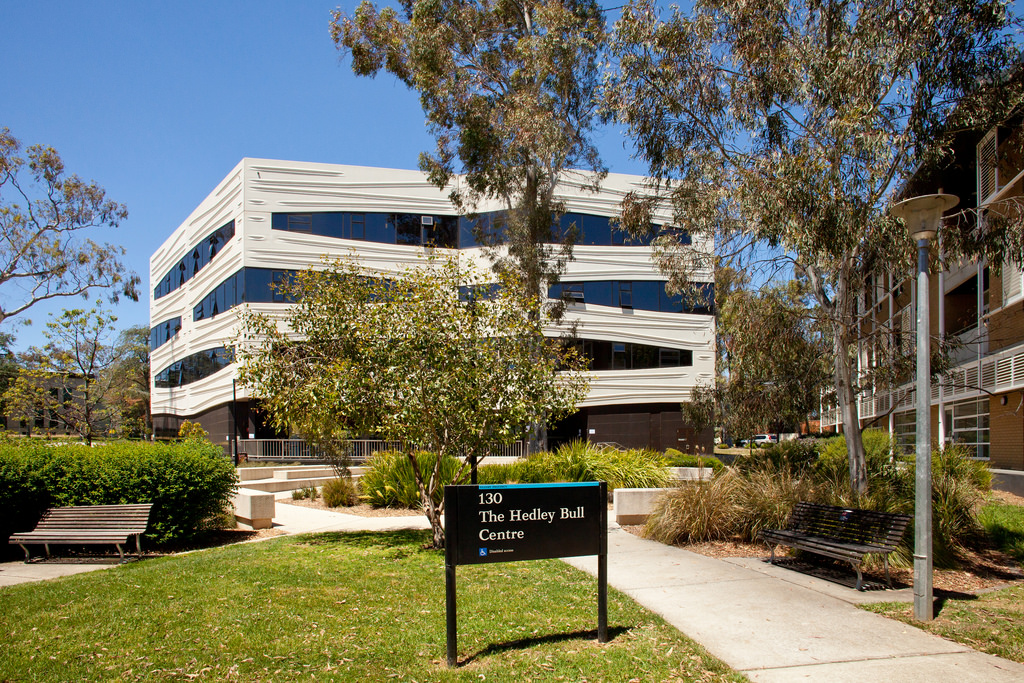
[632, 506]
[254, 509]
[691, 473]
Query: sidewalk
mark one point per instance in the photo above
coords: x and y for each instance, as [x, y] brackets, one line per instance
[774, 624]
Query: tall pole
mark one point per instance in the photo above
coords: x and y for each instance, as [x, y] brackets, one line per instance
[923, 603]
[234, 424]
[922, 216]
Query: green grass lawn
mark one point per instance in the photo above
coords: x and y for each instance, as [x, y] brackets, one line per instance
[348, 607]
[1004, 524]
[991, 622]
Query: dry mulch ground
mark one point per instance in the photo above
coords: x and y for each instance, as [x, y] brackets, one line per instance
[980, 569]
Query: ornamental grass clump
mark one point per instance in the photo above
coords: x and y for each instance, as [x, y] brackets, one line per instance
[389, 480]
[535, 469]
[696, 512]
[340, 492]
[765, 498]
[634, 468]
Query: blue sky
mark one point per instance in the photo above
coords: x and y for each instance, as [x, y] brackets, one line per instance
[157, 102]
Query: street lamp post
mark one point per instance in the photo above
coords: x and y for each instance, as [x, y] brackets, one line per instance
[922, 215]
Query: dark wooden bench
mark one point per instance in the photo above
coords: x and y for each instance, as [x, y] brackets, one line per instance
[840, 533]
[88, 525]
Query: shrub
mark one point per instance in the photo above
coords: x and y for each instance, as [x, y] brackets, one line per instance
[340, 492]
[674, 458]
[192, 430]
[307, 492]
[189, 483]
[389, 480]
[635, 468]
[765, 498]
[959, 484]
[535, 469]
[959, 487]
[762, 489]
[794, 456]
[695, 512]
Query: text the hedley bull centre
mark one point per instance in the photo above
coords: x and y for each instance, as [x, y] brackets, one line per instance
[489, 516]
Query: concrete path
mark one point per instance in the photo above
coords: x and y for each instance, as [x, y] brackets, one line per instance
[13, 573]
[295, 519]
[776, 625]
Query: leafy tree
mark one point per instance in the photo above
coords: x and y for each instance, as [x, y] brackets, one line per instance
[773, 361]
[23, 400]
[130, 381]
[43, 215]
[8, 367]
[508, 90]
[791, 123]
[409, 359]
[68, 377]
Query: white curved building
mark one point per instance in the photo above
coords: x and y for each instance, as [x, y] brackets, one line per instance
[268, 218]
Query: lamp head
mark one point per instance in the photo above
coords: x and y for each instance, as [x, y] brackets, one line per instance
[922, 214]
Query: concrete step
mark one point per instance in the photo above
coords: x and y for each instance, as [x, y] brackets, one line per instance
[247, 474]
[275, 485]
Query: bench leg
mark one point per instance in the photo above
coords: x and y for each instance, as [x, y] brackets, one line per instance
[885, 563]
[860, 577]
[47, 546]
[138, 545]
[27, 555]
[120, 551]
[772, 549]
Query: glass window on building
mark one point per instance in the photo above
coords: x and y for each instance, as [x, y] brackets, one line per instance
[905, 430]
[970, 426]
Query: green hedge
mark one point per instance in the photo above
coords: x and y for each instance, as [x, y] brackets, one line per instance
[389, 482]
[674, 458]
[188, 482]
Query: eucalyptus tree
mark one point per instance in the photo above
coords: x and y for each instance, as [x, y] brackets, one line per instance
[790, 124]
[434, 357]
[68, 378]
[508, 89]
[773, 359]
[46, 216]
[130, 379]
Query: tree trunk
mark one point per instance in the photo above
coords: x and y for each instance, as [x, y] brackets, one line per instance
[846, 395]
[433, 513]
[426, 490]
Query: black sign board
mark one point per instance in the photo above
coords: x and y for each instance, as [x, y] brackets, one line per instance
[505, 523]
[510, 522]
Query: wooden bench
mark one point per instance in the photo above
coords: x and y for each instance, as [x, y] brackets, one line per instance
[88, 525]
[840, 533]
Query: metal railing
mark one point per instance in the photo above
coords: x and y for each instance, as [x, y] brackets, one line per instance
[297, 450]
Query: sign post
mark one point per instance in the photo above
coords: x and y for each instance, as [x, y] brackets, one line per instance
[512, 522]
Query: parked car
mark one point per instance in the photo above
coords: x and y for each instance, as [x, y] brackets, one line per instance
[765, 438]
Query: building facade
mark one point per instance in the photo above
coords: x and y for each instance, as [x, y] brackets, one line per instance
[980, 402]
[270, 218]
